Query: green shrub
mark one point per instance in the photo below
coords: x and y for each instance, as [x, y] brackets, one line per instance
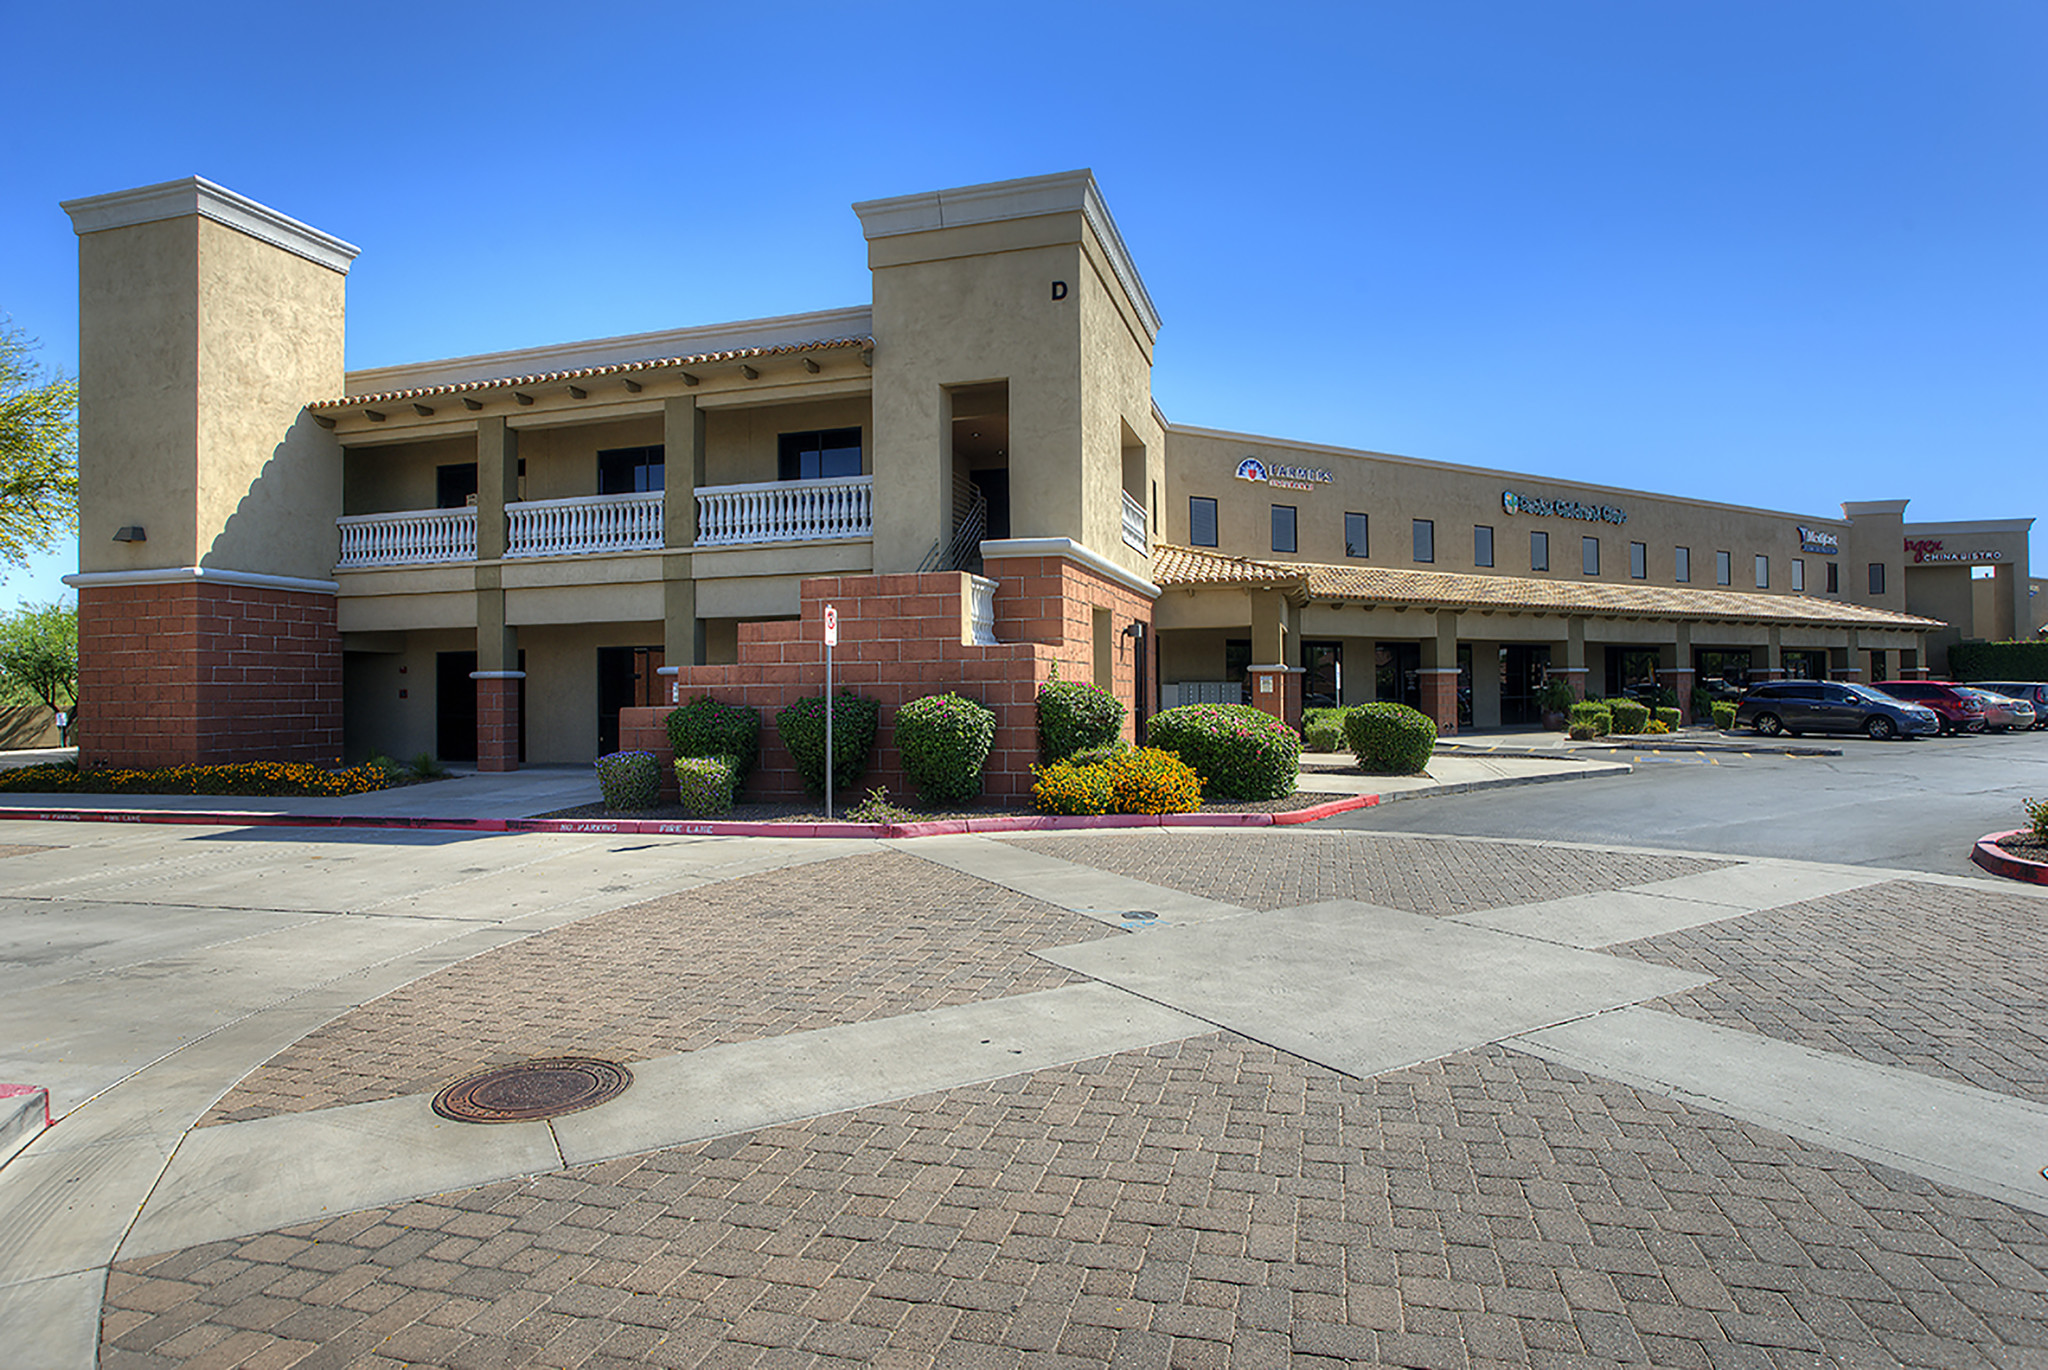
[1322, 730]
[1390, 737]
[802, 728]
[1724, 714]
[630, 780]
[1556, 696]
[1702, 705]
[705, 727]
[1100, 755]
[1668, 716]
[877, 808]
[1593, 713]
[944, 741]
[1657, 726]
[1148, 780]
[1580, 732]
[1073, 716]
[2037, 816]
[706, 784]
[275, 779]
[1238, 751]
[1629, 716]
[2025, 660]
[1068, 789]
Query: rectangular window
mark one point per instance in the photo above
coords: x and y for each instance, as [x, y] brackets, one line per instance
[1877, 577]
[1638, 559]
[1834, 578]
[1482, 545]
[824, 454]
[1724, 569]
[1798, 576]
[455, 486]
[1539, 551]
[1763, 573]
[1681, 565]
[1201, 521]
[1425, 540]
[1589, 553]
[1357, 539]
[1283, 527]
[629, 470]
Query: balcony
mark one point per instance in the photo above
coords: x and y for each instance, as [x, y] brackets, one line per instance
[584, 526]
[411, 538]
[1134, 524]
[785, 511]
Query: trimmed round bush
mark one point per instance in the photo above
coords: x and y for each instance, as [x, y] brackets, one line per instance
[1148, 780]
[1629, 716]
[1073, 716]
[706, 784]
[1667, 714]
[1594, 714]
[630, 780]
[1238, 751]
[1322, 730]
[802, 729]
[1068, 790]
[944, 741]
[705, 727]
[1391, 737]
[1724, 714]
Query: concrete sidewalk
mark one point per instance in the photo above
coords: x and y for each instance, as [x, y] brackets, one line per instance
[986, 1097]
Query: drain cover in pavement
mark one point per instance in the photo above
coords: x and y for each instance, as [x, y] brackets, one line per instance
[532, 1089]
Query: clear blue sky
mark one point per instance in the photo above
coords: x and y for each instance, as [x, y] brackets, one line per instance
[1781, 254]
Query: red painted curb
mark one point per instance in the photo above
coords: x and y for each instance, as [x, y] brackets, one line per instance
[1334, 806]
[1999, 861]
[16, 1091]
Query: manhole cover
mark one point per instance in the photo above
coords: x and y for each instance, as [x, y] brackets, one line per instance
[532, 1089]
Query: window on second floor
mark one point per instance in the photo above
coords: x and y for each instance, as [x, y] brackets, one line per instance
[1589, 553]
[1877, 577]
[1482, 545]
[629, 470]
[1425, 540]
[1357, 536]
[1763, 573]
[1283, 528]
[1681, 565]
[822, 454]
[1834, 578]
[1798, 576]
[1639, 559]
[455, 486]
[1201, 521]
[1539, 551]
[1724, 568]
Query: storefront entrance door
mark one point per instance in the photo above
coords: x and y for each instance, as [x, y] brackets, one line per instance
[1523, 669]
[1322, 681]
[1397, 673]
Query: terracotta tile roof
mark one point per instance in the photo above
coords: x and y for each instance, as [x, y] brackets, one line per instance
[738, 354]
[1449, 590]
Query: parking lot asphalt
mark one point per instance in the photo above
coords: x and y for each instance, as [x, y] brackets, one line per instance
[1151, 1097]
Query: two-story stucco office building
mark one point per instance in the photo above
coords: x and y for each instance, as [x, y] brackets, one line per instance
[492, 556]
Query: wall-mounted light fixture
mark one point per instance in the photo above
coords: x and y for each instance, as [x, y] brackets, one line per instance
[131, 533]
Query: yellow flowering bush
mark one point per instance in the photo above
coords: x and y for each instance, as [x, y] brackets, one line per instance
[1148, 780]
[271, 779]
[1068, 790]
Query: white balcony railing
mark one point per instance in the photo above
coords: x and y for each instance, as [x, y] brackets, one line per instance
[786, 511]
[981, 610]
[579, 527]
[407, 538]
[1134, 524]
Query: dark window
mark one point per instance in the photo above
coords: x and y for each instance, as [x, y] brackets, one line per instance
[1539, 551]
[1357, 539]
[1798, 574]
[1763, 573]
[1877, 577]
[1724, 568]
[1425, 539]
[1482, 545]
[1834, 578]
[1201, 521]
[1283, 527]
[1589, 550]
[455, 486]
[1638, 559]
[629, 470]
[823, 455]
[1681, 565]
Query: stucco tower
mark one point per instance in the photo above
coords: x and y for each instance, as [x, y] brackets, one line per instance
[207, 495]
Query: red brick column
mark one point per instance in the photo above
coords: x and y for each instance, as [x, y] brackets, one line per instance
[1679, 681]
[497, 719]
[195, 670]
[1439, 685]
[1574, 676]
[1277, 690]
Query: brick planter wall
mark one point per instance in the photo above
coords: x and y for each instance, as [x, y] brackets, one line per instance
[900, 638]
[198, 673]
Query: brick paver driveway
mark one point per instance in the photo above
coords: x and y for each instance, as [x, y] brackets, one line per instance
[1210, 1201]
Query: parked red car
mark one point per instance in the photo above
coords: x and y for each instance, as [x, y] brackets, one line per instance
[1959, 713]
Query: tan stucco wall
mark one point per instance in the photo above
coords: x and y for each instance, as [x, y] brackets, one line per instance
[561, 462]
[1116, 393]
[742, 445]
[383, 480]
[138, 380]
[561, 684]
[374, 719]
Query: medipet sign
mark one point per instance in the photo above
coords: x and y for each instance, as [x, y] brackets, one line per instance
[1818, 540]
[1515, 503]
[1930, 549]
[1286, 477]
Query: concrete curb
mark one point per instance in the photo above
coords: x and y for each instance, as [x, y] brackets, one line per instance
[24, 1113]
[1999, 861]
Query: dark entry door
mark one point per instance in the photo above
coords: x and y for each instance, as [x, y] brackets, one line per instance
[1322, 680]
[1523, 669]
[1397, 673]
[454, 706]
[626, 678]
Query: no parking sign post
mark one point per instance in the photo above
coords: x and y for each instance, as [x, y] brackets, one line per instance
[831, 641]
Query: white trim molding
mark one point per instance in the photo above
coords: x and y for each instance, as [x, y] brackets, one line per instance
[197, 195]
[1072, 551]
[170, 575]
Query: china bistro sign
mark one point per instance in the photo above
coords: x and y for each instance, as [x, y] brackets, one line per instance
[1535, 507]
[1286, 477]
[1930, 549]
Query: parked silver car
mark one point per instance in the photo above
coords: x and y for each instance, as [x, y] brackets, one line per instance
[2033, 691]
[2002, 713]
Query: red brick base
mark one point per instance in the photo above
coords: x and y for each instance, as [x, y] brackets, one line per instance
[497, 723]
[1678, 680]
[902, 637]
[196, 672]
[1439, 687]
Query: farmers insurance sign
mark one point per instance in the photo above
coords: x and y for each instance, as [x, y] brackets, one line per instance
[1286, 477]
